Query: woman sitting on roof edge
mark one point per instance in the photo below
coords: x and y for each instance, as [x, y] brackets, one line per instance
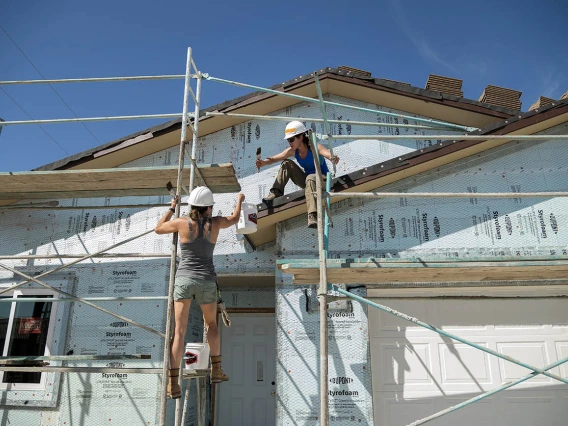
[195, 277]
[303, 174]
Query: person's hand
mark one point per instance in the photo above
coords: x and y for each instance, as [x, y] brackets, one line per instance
[241, 197]
[174, 202]
[259, 163]
[335, 159]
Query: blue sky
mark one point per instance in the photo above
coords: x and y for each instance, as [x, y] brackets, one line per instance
[520, 45]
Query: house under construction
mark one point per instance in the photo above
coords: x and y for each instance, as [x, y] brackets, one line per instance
[433, 290]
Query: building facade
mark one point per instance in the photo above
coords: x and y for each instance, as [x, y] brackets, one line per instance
[382, 370]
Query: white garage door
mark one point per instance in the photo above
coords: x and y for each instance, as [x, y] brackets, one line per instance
[417, 373]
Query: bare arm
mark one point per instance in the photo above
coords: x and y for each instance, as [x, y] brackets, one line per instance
[224, 222]
[288, 152]
[165, 225]
[325, 153]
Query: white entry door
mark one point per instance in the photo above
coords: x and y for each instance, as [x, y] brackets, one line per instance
[249, 359]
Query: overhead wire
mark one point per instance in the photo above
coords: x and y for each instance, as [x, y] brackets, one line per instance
[51, 87]
[31, 118]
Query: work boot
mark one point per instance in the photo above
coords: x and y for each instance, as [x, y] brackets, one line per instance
[217, 374]
[274, 193]
[312, 220]
[174, 389]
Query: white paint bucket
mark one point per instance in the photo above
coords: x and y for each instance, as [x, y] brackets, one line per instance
[247, 220]
[196, 356]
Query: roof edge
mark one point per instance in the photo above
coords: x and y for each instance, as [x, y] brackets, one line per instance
[381, 83]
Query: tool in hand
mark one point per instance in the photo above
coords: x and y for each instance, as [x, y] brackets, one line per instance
[170, 189]
[258, 150]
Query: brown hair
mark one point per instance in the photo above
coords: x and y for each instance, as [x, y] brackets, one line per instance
[198, 212]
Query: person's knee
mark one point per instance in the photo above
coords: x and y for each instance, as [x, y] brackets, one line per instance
[311, 183]
[286, 164]
[180, 331]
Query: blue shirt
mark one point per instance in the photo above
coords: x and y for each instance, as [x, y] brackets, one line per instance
[308, 163]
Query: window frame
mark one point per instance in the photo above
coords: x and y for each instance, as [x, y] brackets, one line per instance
[14, 294]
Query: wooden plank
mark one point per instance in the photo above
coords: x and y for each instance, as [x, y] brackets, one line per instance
[144, 177]
[347, 272]
[219, 188]
[14, 360]
[187, 374]
[50, 195]
[409, 275]
[220, 178]
[380, 261]
[209, 170]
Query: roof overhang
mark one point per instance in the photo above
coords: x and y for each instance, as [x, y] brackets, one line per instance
[375, 91]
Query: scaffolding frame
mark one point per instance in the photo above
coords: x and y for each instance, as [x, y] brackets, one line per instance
[19, 364]
[324, 286]
[323, 224]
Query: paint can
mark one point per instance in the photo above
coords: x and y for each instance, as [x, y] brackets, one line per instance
[247, 220]
[196, 356]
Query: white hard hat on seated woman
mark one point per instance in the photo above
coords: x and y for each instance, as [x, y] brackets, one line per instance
[294, 128]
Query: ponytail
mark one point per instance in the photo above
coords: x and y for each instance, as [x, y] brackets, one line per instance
[198, 212]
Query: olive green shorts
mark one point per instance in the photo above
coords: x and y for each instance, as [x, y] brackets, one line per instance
[202, 291]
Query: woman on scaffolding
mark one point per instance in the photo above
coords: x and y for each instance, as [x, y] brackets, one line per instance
[195, 277]
[303, 174]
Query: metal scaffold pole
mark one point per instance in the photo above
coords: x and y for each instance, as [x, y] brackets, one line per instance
[322, 289]
[195, 130]
[180, 412]
[169, 312]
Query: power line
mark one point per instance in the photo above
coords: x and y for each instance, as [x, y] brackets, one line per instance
[44, 131]
[42, 76]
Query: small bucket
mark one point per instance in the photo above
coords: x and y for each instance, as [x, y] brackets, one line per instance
[247, 220]
[196, 356]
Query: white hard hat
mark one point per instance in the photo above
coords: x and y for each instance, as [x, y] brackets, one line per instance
[294, 128]
[201, 197]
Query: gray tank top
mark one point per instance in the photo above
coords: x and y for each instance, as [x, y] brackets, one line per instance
[197, 255]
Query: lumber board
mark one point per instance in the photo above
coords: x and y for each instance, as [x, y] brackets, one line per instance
[348, 271]
[117, 182]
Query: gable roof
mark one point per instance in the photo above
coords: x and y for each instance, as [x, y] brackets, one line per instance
[338, 81]
[422, 160]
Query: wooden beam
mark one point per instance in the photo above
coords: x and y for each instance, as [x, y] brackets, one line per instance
[17, 360]
[377, 271]
[139, 181]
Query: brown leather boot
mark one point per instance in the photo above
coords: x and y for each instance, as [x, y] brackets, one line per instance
[217, 374]
[174, 389]
[274, 193]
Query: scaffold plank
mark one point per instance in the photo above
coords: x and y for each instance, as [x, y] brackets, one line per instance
[13, 360]
[187, 374]
[376, 271]
[220, 178]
